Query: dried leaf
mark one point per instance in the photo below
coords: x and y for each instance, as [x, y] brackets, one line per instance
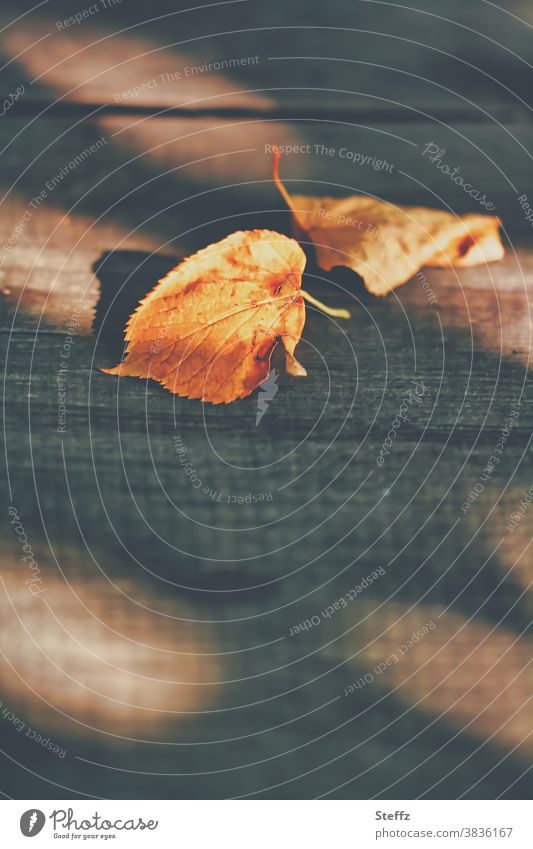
[387, 244]
[209, 327]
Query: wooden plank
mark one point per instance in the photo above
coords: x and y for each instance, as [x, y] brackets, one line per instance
[103, 204]
[116, 524]
[236, 50]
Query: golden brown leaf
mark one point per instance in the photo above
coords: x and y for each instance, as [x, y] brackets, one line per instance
[387, 244]
[209, 327]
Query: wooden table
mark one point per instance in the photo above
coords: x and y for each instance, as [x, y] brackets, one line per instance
[253, 636]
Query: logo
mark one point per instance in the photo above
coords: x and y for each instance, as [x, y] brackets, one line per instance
[32, 822]
[267, 391]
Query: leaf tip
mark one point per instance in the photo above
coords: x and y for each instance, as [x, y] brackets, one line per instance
[275, 174]
[293, 367]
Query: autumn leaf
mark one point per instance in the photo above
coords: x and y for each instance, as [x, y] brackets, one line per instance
[387, 244]
[209, 327]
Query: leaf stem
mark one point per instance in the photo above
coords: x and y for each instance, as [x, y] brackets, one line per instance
[286, 196]
[328, 310]
[275, 173]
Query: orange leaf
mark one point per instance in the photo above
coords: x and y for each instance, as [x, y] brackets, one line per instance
[209, 327]
[387, 244]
